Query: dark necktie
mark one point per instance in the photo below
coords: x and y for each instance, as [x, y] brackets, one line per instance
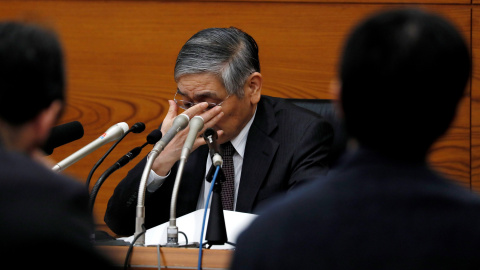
[228, 187]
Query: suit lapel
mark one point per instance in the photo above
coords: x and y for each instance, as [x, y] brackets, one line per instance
[259, 153]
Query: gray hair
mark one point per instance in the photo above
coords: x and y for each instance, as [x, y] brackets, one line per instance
[228, 53]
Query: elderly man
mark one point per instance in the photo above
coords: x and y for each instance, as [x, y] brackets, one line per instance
[276, 145]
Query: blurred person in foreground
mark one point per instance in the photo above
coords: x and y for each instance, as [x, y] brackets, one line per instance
[45, 217]
[402, 74]
[276, 145]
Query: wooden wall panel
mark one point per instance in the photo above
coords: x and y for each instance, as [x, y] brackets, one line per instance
[120, 58]
[475, 149]
[346, 2]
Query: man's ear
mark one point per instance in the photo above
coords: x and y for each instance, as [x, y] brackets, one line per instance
[253, 87]
[47, 119]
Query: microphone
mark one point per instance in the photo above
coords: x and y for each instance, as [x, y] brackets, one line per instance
[196, 124]
[216, 231]
[113, 133]
[62, 134]
[210, 136]
[152, 138]
[136, 128]
[179, 123]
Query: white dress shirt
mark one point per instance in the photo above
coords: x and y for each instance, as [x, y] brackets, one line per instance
[154, 181]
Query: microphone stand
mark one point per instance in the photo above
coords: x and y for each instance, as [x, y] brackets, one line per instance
[196, 124]
[98, 184]
[140, 213]
[172, 229]
[119, 164]
[178, 124]
[91, 202]
[216, 230]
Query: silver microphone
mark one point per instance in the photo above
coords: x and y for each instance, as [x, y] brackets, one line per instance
[114, 133]
[196, 124]
[179, 123]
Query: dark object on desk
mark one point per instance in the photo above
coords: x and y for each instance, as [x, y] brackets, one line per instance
[102, 238]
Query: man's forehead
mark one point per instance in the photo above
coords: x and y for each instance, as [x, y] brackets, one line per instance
[203, 85]
[200, 93]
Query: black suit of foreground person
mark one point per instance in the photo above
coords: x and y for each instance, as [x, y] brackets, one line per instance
[402, 74]
[45, 221]
[277, 144]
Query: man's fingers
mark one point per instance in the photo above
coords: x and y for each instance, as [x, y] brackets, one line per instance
[172, 109]
[211, 122]
[195, 110]
[171, 114]
[208, 115]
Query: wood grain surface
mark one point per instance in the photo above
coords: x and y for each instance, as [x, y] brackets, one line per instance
[475, 104]
[120, 57]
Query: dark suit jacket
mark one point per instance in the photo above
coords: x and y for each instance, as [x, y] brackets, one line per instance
[371, 212]
[45, 218]
[285, 145]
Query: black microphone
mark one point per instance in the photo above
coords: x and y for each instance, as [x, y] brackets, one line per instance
[136, 128]
[210, 136]
[216, 231]
[62, 134]
[152, 138]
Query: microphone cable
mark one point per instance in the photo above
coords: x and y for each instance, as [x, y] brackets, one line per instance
[205, 217]
[152, 138]
[136, 128]
[126, 264]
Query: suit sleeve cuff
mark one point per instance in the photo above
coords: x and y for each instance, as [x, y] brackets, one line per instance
[155, 181]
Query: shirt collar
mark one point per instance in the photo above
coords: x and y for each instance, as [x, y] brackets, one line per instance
[240, 141]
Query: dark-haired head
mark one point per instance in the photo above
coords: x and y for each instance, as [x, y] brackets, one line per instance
[31, 71]
[402, 75]
[228, 53]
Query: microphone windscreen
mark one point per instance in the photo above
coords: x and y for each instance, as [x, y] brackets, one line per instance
[63, 134]
[210, 132]
[154, 136]
[138, 127]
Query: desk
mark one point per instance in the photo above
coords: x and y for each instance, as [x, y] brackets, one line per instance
[176, 258]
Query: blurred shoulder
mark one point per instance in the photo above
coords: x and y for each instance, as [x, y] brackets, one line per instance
[23, 172]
